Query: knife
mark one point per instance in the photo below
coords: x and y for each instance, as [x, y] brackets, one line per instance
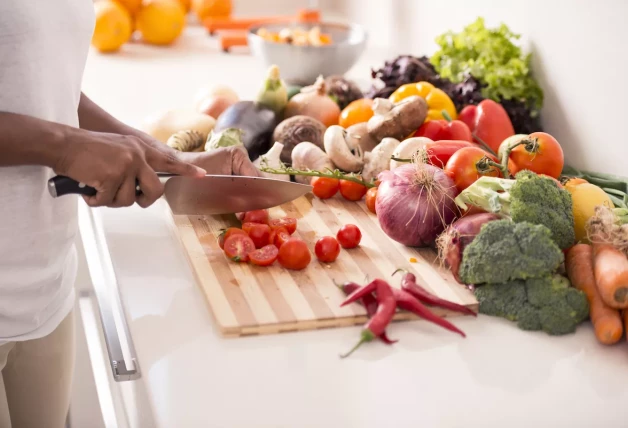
[208, 195]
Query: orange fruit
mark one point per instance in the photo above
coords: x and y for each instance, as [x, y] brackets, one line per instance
[187, 4]
[133, 6]
[160, 21]
[113, 26]
[357, 111]
[211, 8]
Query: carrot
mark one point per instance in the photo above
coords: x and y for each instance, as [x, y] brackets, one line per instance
[611, 275]
[626, 322]
[606, 321]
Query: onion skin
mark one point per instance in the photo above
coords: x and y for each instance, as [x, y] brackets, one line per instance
[415, 203]
[459, 234]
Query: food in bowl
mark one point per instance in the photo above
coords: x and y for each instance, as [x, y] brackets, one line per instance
[296, 36]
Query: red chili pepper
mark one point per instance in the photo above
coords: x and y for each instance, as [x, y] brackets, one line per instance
[489, 123]
[358, 293]
[409, 284]
[376, 325]
[368, 301]
[437, 130]
[439, 152]
[408, 302]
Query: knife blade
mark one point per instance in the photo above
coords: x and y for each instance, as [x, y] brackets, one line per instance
[208, 195]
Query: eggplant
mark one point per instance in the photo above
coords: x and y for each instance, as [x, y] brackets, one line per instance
[257, 123]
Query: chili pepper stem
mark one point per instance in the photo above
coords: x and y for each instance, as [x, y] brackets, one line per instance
[366, 336]
[399, 270]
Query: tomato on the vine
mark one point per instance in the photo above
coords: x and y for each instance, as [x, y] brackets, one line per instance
[327, 249]
[349, 236]
[468, 164]
[324, 187]
[294, 254]
[541, 153]
[289, 223]
[225, 234]
[264, 256]
[357, 111]
[238, 247]
[351, 190]
[371, 197]
[256, 216]
[259, 233]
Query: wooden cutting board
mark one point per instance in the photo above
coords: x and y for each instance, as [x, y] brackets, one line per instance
[246, 299]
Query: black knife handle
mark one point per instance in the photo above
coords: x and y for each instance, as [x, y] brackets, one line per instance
[61, 185]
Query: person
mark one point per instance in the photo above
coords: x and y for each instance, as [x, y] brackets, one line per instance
[49, 127]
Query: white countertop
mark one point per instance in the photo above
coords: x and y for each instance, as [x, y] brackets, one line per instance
[498, 376]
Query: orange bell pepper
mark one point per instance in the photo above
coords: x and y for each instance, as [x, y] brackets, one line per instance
[437, 100]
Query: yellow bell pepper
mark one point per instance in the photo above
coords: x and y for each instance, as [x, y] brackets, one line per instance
[437, 100]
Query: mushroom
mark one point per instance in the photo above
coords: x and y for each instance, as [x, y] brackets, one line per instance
[407, 149]
[379, 159]
[396, 120]
[346, 154]
[308, 156]
[358, 134]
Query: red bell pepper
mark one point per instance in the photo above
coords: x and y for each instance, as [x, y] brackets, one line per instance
[439, 152]
[437, 130]
[489, 123]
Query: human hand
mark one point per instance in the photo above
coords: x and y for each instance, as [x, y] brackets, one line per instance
[224, 161]
[112, 163]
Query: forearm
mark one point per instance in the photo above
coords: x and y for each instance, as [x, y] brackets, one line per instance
[94, 118]
[25, 140]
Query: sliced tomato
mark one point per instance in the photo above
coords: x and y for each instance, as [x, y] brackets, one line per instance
[324, 187]
[294, 254]
[257, 216]
[259, 233]
[226, 233]
[349, 236]
[238, 247]
[289, 223]
[352, 191]
[371, 197]
[327, 249]
[264, 256]
[279, 236]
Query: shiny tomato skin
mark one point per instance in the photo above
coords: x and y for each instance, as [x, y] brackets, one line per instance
[327, 249]
[238, 247]
[289, 223]
[437, 130]
[349, 236]
[264, 256]
[352, 191]
[371, 197]
[546, 158]
[324, 187]
[279, 236]
[257, 216]
[462, 167]
[259, 233]
[227, 233]
[294, 254]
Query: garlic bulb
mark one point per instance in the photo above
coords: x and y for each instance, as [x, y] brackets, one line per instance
[186, 141]
[271, 160]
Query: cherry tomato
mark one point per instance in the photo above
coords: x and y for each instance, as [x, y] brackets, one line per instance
[259, 233]
[357, 111]
[324, 188]
[352, 191]
[543, 155]
[467, 165]
[289, 223]
[349, 236]
[264, 256]
[257, 216]
[327, 249]
[238, 247]
[225, 234]
[294, 254]
[279, 236]
[371, 197]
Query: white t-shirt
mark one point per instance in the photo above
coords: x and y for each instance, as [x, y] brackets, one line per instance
[43, 50]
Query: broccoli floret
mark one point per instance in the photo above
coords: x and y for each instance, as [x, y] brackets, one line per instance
[549, 304]
[504, 251]
[528, 198]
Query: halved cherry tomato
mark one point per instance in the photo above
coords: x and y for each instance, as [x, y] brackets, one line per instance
[324, 187]
[543, 155]
[259, 233]
[238, 247]
[352, 191]
[265, 256]
[371, 196]
[290, 223]
[349, 236]
[357, 111]
[468, 164]
[257, 216]
[294, 254]
[226, 233]
[279, 236]
[327, 249]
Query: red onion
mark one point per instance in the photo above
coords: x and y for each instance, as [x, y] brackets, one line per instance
[415, 203]
[452, 243]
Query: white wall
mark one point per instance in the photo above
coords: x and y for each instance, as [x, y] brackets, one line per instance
[580, 51]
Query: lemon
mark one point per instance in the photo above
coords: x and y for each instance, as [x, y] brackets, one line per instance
[585, 197]
[112, 28]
